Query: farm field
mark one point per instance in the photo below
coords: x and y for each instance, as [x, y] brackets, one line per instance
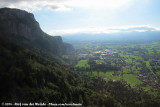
[129, 78]
[83, 64]
[132, 79]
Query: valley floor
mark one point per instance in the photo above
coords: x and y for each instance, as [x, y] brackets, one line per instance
[136, 64]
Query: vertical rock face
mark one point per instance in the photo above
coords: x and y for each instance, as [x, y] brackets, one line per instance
[22, 27]
[18, 22]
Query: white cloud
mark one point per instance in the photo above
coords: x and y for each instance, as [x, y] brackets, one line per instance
[105, 30]
[98, 4]
[63, 5]
[35, 5]
[58, 8]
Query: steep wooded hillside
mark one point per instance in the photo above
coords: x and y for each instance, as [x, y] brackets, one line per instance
[27, 77]
[22, 28]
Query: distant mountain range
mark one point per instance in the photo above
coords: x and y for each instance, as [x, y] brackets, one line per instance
[113, 37]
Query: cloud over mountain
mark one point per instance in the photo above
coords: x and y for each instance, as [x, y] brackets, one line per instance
[62, 5]
[105, 30]
[34, 5]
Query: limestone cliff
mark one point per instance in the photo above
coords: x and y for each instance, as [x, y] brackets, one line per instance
[21, 27]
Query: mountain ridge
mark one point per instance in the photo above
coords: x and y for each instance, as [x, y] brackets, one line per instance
[21, 27]
[113, 37]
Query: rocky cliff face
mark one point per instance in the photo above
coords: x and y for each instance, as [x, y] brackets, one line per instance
[22, 27]
[18, 22]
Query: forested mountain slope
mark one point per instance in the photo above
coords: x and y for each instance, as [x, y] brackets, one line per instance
[27, 77]
[22, 28]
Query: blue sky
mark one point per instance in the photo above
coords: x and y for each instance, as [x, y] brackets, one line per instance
[60, 17]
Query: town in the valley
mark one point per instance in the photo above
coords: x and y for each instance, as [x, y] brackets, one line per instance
[137, 66]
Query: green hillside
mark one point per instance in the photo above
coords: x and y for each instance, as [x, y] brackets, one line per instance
[22, 28]
[27, 77]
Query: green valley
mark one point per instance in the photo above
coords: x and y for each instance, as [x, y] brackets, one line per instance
[131, 63]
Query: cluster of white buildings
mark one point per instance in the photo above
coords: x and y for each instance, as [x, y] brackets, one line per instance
[105, 54]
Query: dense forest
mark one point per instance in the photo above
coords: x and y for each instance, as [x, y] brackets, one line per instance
[27, 77]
